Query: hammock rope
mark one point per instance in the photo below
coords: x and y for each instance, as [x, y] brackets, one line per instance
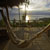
[21, 43]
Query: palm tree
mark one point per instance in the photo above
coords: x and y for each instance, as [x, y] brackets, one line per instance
[9, 3]
[13, 37]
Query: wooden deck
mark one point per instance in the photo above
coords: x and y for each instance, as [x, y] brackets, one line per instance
[40, 43]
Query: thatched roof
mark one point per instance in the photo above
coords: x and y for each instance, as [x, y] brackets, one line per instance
[10, 3]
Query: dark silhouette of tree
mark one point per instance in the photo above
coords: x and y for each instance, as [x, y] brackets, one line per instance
[10, 3]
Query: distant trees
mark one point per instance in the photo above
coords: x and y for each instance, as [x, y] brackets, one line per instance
[34, 23]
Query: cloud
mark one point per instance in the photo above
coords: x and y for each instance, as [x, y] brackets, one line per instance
[40, 4]
[36, 5]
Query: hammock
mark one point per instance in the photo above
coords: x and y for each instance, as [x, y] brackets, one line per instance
[18, 42]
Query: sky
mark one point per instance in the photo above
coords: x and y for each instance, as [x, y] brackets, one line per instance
[37, 9]
[40, 4]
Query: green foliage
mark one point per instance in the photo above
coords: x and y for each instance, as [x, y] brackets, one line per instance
[2, 24]
[34, 23]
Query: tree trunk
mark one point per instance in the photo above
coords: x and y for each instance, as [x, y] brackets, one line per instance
[7, 13]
